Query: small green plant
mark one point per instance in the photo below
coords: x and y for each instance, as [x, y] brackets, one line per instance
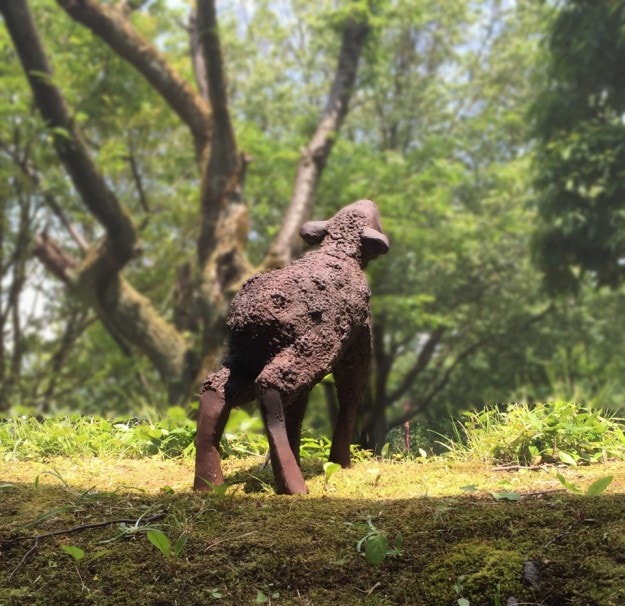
[596, 488]
[140, 526]
[375, 474]
[78, 555]
[505, 496]
[161, 541]
[498, 599]
[244, 435]
[76, 552]
[329, 470]
[266, 597]
[458, 589]
[314, 448]
[216, 490]
[374, 545]
[51, 472]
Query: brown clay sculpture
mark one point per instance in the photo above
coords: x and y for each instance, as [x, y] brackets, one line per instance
[289, 328]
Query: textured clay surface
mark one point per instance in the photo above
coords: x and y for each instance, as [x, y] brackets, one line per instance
[288, 329]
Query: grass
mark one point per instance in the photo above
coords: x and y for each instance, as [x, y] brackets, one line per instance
[88, 524]
[547, 432]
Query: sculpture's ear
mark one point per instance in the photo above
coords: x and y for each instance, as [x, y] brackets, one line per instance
[374, 243]
[313, 232]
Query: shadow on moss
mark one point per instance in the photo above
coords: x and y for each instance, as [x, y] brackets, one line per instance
[302, 550]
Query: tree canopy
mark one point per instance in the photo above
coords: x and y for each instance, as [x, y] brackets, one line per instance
[579, 126]
[156, 155]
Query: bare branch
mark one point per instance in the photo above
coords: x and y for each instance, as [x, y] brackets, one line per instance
[423, 359]
[439, 385]
[76, 325]
[316, 153]
[37, 182]
[54, 258]
[136, 175]
[197, 57]
[109, 23]
[51, 201]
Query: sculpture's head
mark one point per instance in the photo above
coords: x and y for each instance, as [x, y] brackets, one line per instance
[355, 230]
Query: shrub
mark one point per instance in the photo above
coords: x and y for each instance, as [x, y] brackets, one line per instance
[543, 433]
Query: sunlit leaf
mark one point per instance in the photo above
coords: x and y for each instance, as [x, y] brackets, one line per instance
[376, 549]
[160, 540]
[597, 487]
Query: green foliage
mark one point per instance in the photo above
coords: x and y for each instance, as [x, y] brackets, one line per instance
[458, 589]
[169, 436]
[436, 135]
[161, 541]
[579, 163]
[329, 469]
[595, 489]
[548, 432]
[506, 496]
[244, 435]
[76, 552]
[447, 163]
[374, 545]
[27, 438]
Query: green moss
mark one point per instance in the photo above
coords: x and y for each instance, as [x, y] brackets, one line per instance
[477, 568]
[304, 548]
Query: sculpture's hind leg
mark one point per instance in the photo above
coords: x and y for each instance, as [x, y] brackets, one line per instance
[224, 393]
[293, 371]
[214, 412]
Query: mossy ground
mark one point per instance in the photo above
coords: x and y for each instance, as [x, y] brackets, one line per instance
[250, 545]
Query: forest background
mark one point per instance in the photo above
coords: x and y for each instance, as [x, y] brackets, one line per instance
[159, 153]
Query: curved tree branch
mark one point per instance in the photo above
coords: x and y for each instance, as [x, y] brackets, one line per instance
[109, 23]
[315, 155]
[423, 359]
[127, 315]
[463, 355]
[68, 141]
[197, 56]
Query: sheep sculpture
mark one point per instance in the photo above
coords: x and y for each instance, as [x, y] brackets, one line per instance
[288, 329]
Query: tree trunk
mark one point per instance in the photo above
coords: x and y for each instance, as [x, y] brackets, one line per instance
[222, 264]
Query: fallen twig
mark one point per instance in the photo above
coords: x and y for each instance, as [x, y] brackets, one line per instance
[35, 544]
[519, 467]
[52, 533]
[542, 492]
[36, 538]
